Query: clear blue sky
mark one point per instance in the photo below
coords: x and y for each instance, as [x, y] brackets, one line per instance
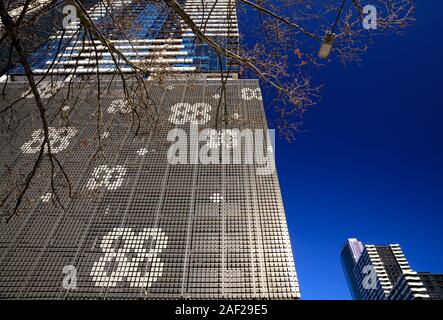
[371, 162]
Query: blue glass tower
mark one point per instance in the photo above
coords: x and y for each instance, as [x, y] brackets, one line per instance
[350, 254]
[148, 34]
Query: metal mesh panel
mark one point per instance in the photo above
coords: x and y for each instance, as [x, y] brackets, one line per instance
[143, 228]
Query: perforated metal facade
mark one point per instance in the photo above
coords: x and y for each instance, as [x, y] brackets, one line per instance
[137, 225]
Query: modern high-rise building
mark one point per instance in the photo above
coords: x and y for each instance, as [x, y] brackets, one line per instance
[381, 272]
[418, 286]
[157, 214]
[350, 254]
[376, 270]
[147, 33]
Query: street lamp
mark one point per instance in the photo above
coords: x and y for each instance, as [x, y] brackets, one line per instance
[326, 45]
[328, 41]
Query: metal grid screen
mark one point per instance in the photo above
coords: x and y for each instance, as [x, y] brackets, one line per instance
[138, 226]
